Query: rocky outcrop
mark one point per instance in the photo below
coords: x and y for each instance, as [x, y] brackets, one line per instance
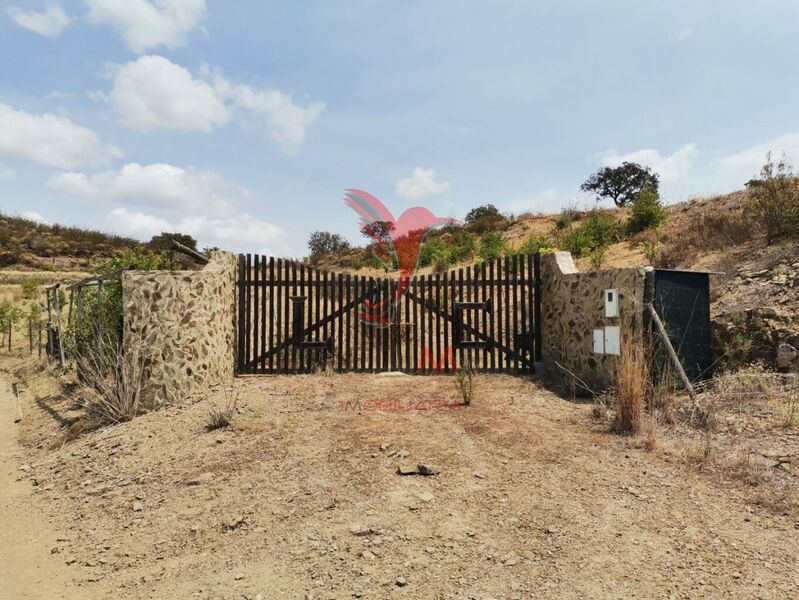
[769, 334]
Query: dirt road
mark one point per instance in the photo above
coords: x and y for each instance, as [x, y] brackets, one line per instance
[27, 568]
[301, 498]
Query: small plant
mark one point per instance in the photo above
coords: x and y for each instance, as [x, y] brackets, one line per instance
[632, 386]
[774, 201]
[537, 243]
[465, 378]
[492, 246]
[220, 417]
[597, 256]
[30, 287]
[563, 221]
[647, 212]
[597, 230]
[792, 405]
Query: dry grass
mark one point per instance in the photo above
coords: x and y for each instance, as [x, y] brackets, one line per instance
[632, 386]
[465, 380]
[220, 417]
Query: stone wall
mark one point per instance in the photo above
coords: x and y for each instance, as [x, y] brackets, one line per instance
[181, 326]
[573, 305]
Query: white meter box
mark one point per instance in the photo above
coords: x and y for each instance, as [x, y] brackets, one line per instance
[612, 340]
[611, 303]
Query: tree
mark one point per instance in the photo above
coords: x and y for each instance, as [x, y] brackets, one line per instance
[381, 230]
[621, 184]
[484, 218]
[324, 243]
[163, 241]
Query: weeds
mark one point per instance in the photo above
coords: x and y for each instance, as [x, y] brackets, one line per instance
[220, 417]
[465, 379]
[632, 386]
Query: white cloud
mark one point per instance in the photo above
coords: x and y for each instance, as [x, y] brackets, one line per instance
[670, 168]
[49, 23]
[35, 217]
[51, 140]
[421, 183]
[156, 185]
[286, 122]
[683, 34]
[7, 173]
[747, 163]
[153, 93]
[545, 201]
[144, 24]
[236, 233]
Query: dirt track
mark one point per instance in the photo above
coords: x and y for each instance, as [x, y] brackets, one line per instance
[301, 497]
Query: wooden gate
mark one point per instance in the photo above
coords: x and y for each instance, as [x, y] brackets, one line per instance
[293, 318]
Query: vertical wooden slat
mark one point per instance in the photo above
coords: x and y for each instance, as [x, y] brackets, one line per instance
[486, 316]
[356, 325]
[415, 321]
[340, 340]
[469, 314]
[437, 301]
[496, 359]
[255, 307]
[306, 311]
[278, 311]
[239, 319]
[348, 345]
[537, 311]
[523, 277]
[264, 314]
[460, 298]
[371, 332]
[317, 308]
[431, 347]
[286, 292]
[393, 329]
[406, 328]
[294, 350]
[362, 325]
[248, 313]
[507, 339]
[514, 308]
[446, 307]
[271, 311]
[378, 326]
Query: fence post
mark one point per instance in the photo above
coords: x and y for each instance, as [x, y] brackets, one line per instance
[10, 325]
[40, 339]
[58, 323]
[30, 335]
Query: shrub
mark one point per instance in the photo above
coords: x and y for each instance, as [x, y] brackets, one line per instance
[324, 243]
[563, 221]
[29, 288]
[492, 246]
[464, 246]
[597, 230]
[537, 243]
[163, 241]
[647, 212]
[485, 218]
[774, 202]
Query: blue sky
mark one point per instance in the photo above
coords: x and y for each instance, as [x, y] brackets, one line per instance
[242, 123]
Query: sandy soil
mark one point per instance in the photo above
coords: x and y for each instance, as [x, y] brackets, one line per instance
[301, 498]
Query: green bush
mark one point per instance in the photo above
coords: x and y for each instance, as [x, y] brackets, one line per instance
[463, 247]
[485, 218]
[647, 212]
[492, 246]
[598, 230]
[29, 288]
[774, 200]
[537, 243]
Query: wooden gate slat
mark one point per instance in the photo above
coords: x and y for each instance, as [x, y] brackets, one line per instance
[340, 340]
[537, 309]
[515, 288]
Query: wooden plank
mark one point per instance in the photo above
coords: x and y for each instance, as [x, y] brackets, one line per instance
[468, 316]
[523, 299]
[371, 332]
[484, 294]
[248, 320]
[340, 340]
[424, 349]
[255, 305]
[306, 315]
[325, 298]
[415, 324]
[515, 311]
[295, 367]
[461, 361]
[271, 311]
[431, 347]
[239, 317]
[437, 301]
[264, 314]
[497, 335]
[348, 345]
[507, 339]
[286, 292]
[406, 329]
[317, 302]
[537, 311]
[446, 308]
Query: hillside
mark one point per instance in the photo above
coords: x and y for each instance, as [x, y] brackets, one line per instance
[27, 245]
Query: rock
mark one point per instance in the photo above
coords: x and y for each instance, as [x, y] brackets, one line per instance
[360, 529]
[25, 468]
[425, 496]
[239, 576]
[401, 582]
[233, 521]
[511, 560]
[138, 507]
[401, 453]
[384, 447]
[201, 479]
[407, 469]
[786, 354]
[479, 475]
[428, 470]
[368, 555]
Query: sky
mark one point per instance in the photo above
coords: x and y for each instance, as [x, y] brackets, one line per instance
[243, 123]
